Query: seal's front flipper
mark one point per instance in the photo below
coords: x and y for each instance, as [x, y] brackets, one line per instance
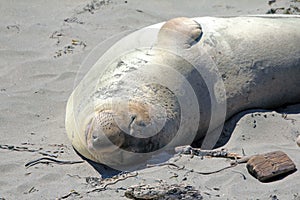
[179, 33]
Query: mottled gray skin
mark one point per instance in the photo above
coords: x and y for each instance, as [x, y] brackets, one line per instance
[258, 59]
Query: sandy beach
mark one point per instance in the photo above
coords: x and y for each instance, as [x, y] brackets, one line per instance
[42, 47]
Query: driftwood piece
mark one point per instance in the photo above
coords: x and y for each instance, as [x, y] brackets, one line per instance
[269, 165]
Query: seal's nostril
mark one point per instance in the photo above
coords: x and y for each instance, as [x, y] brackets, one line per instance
[133, 117]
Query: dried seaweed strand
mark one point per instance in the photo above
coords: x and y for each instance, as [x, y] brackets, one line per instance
[112, 183]
[165, 164]
[26, 149]
[69, 194]
[232, 164]
[213, 172]
[243, 175]
[50, 160]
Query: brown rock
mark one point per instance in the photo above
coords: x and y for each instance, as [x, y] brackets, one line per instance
[270, 165]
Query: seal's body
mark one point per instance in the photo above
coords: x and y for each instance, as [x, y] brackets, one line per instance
[198, 73]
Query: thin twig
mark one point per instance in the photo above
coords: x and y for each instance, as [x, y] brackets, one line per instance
[50, 160]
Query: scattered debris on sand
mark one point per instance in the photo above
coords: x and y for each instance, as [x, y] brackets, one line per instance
[94, 5]
[73, 20]
[293, 8]
[70, 48]
[25, 147]
[15, 27]
[163, 191]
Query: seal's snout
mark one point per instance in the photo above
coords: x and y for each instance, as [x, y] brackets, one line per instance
[118, 125]
[102, 131]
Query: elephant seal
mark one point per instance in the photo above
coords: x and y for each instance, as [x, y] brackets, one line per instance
[179, 83]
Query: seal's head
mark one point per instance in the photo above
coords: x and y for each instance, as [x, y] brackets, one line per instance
[141, 125]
